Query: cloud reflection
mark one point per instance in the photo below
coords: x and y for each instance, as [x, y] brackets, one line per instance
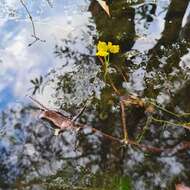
[20, 63]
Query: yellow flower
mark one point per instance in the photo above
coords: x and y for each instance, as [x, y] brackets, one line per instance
[102, 49]
[102, 53]
[102, 46]
[113, 48]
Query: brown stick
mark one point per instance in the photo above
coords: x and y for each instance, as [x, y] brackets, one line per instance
[113, 86]
[123, 120]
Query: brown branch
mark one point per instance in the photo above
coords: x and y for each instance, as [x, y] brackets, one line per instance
[123, 120]
[113, 86]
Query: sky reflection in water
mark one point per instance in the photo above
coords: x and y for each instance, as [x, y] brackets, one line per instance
[20, 63]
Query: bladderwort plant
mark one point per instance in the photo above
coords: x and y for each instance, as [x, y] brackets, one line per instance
[103, 51]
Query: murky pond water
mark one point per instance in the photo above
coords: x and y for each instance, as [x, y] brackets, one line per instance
[62, 72]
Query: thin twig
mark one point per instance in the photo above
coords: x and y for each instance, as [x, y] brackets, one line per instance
[171, 123]
[79, 114]
[113, 86]
[123, 119]
[119, 70]
[127, 141]
[36, 38]
[167, 111]
[148, 121]
[38, 103]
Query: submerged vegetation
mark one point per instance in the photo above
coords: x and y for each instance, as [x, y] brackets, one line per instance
[112, 110]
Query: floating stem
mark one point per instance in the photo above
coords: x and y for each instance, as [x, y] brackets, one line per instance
[148, 121]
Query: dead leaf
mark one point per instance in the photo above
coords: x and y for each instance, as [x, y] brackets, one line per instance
[181, 187]
[104, 5]
[133, 100]
[56, 118]
[150, 109]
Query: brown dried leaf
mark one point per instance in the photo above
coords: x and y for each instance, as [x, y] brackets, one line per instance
[150, 109]
[134, 100]
[57, 119]
[104, 5]
[181, 187]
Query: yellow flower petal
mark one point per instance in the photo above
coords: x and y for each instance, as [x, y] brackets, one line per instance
[114, 49]
[109, 45]
[102, 46]
[102, 53]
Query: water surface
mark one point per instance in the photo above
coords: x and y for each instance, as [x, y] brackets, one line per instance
[62, 72]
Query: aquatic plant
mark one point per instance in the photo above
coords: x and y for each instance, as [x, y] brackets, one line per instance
[104, 51]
